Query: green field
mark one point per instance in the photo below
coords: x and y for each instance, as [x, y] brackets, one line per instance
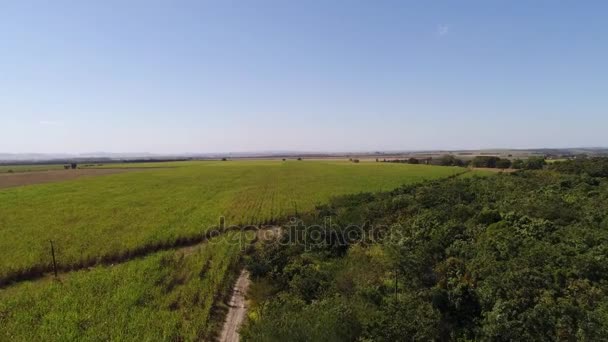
[165, 296]
[114, 215]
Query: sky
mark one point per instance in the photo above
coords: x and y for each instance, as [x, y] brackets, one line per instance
[244, 76]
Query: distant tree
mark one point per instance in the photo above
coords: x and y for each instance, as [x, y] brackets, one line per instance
[283, 159]
[485, 161]
[74, 165]
[518, 164]
[413, 161]
[355, 160]
[447, 160]
[10, 171]
[67, 167]
[459, 162]
[224, 159]
[503, 164]
[376, 160]
[299, 158]
[534, 163]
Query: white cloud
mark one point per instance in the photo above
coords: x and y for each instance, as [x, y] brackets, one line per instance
[443, 30]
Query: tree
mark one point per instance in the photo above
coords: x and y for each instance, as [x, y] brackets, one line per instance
[518, 164]
[534, 163]
[447, 160]
[413, 161]
[485, 161]
[503, 164]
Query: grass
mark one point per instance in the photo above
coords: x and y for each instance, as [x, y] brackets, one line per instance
[94, 218]
[166, 296]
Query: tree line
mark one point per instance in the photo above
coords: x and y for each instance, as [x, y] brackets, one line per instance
[532, 163]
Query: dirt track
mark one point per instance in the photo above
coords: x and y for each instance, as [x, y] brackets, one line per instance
[9, 180]
[238, 309]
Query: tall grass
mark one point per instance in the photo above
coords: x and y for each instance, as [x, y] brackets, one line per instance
[165, 296]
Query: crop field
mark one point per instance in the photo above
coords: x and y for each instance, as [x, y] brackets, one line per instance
[113, 216]
[166, 296]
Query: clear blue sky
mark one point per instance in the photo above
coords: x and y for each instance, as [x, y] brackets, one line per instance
[218, 76]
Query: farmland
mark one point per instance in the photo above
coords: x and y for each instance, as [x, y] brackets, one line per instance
[9, 180]
[146, 212]
[115, 216]
[29, 168]
[166, 296]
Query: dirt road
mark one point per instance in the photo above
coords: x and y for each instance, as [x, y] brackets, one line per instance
[238, 309]
[8, 180]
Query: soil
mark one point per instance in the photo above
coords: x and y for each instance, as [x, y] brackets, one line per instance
[9, 180]
[238, 309]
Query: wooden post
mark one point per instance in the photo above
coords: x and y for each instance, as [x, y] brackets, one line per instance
[54, 262]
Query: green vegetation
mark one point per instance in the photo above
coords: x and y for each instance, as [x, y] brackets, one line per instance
[592, 167]
[511, 257]
[166, 296]
[117, 216]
